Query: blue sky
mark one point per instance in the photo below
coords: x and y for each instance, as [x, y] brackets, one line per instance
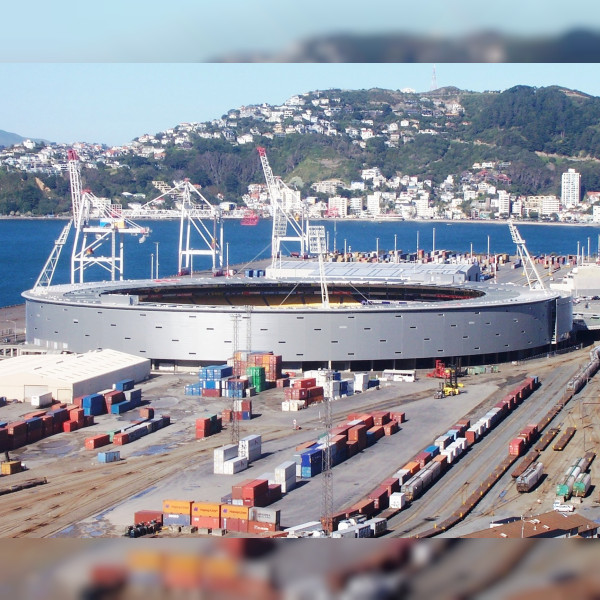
[112, 103]
[189, 30]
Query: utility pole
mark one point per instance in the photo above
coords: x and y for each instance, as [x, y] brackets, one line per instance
[327, 491]
[235, 424]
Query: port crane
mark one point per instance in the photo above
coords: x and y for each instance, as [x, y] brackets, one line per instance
[282, 218]
[534, 280]
[90, 238]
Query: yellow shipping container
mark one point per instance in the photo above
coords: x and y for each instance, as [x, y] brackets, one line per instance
[178, 507]
[11, 467]
[148, 561]
[206, 509]
[229, 511]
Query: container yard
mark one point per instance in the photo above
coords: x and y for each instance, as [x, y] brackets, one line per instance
[436, 457]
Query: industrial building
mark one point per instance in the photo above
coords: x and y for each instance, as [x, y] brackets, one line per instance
[69, 375]
[376, 315]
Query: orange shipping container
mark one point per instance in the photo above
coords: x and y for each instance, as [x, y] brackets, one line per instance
[234, 512]
[178, 507]
[205, 509]
[412, 467]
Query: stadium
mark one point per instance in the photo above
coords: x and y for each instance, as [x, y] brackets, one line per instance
[372, 316]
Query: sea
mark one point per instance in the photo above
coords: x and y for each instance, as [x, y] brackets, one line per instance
[25, 245]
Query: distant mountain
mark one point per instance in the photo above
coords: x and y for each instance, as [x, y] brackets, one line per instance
[8, 139]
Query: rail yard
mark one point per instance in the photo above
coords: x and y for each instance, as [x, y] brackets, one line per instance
[82, 497]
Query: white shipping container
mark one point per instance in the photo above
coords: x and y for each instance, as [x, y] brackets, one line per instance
[298, 470]
[226, 452]
[402, 475]
[378, 526]
[235, 465]
[344, 533]
[397, 500]
[285, 406]
[442, 441]
[41, 400]
[285, 470]
[265, 515]
[288, 485]
[305, 527]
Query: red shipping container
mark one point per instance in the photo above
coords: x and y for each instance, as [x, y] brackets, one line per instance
[422, 458]
[206, 522]
[295, 393]
[367, 419]
[391, 484]
[261, 501]
[114, 397]
[471, 437]
[233, 524]
[247, 405]
[381, 417]
[78, 401]
[282, 383]
[120, 439]
[211, 393]
[352, 417]
[316, 390]
[460, 428]
[145, 516]
[97, 441]
[48, 425]
[146, 412]
[34, 435]
[274, 492]
[390, 428]
[365, 507]
[399, 417]
[69, 426]
[4, 440]
[305, 382]
[88, 420]
[516, 446]
[237, 489]
[257, 487]
[17, 428]
[380, 498]
[34, 415]
[260, 527]
[353, 448]
[466, 423]
[17, 441]
[377, 431]
[227, 415]
[341, 430]
[305, 445]
[357, 432]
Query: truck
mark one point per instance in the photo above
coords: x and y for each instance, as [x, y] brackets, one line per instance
[530, 477]
[562, 507]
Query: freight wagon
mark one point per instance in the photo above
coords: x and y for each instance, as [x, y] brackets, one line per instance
[530, 478]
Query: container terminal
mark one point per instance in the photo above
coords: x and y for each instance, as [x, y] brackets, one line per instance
[303, 399]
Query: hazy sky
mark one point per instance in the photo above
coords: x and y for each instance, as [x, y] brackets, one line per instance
[192, 30]
[113, 103]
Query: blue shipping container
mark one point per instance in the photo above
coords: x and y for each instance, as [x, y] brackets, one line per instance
[181, 520]
[124, 385]
[433, 450]
[111, 456]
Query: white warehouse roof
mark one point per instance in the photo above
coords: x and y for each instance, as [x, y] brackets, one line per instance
[69, 375]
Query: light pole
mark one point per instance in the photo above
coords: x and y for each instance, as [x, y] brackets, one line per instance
[395, 248]
[433, 243]
[156, 244]
[227, 258]
[377, 248]
[151, 265]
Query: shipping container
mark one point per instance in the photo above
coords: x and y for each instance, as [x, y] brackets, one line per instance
[530, 477]
[145, 516]
[183, 507]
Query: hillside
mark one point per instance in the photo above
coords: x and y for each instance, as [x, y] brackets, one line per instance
[536, 133]
[8, 139]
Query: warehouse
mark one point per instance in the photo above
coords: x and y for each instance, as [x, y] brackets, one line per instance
[68, 375]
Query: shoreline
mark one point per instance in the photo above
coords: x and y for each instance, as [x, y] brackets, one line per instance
[348, 220]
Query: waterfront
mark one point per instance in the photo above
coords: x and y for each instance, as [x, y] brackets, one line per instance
[26, 244]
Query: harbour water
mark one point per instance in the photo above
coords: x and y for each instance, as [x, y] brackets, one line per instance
[27, 243]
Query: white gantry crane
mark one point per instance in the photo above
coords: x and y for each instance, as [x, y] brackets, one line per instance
[282, 218]
[193, 209]
[91, 238]
[317, 245]
[533, 278]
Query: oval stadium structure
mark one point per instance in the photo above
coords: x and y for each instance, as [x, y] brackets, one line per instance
[379, 315]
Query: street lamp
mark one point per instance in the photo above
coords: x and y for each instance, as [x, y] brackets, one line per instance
[156, 244]
[227, 258]
[395, 248]
[377, 248]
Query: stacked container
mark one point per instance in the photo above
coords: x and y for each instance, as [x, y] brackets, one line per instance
[206, 515]
[177, 512]
[222, 455]
[234, 518]
[285, 475]
[250, 447]
[208, 426]
[312, 462]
